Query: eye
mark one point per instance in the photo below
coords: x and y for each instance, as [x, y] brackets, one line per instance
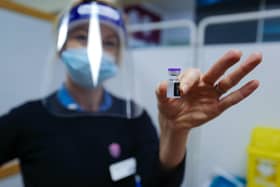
[110, 44]
[81, 38]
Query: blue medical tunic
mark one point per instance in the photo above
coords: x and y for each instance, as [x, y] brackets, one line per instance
[58, 151]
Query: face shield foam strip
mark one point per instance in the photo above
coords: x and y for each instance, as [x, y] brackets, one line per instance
[104, 13]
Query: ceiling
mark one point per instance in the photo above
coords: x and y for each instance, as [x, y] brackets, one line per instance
[44, 5]
[55, 6]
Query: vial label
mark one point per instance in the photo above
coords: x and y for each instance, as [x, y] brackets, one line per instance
[173, 89]
[177, 89]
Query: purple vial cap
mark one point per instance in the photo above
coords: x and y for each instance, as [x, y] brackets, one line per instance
[174, 69]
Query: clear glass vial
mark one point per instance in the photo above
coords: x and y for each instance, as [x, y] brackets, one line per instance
[173, 88]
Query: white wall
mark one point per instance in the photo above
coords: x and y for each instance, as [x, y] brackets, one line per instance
[24, 43]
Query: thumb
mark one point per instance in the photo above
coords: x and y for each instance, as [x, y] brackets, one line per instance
[161, 91]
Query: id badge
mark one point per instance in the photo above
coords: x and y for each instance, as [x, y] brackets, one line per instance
[123, 169]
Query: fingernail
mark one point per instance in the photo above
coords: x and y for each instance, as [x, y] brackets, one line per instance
[258, 54]
[236, 51]
[158, 88]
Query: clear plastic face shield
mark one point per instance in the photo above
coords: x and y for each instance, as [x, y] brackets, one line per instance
[92, 73]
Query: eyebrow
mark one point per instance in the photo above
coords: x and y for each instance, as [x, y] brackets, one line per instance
[111, 37]
[79, 29]
[74, 32]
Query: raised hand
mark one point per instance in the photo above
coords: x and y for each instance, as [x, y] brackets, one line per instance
[203, 97]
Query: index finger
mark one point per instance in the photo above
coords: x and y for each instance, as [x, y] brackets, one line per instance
[221, 66]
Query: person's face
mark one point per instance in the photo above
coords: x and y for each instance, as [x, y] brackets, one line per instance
[78, 38]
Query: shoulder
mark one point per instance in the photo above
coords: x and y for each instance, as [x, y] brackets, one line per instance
[21, 114]
[28, 108]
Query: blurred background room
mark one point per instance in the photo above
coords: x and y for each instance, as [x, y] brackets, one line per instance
[240, 146]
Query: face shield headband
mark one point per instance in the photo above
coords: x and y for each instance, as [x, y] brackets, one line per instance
[84, 12]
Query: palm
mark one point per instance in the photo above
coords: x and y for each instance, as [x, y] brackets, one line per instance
[200, 105]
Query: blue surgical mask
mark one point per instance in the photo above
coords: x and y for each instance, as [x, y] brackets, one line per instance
[78, 66]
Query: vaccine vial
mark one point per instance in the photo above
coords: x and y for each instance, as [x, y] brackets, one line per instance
[173, 88]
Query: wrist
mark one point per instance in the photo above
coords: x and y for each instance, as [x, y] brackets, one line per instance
[172, 147]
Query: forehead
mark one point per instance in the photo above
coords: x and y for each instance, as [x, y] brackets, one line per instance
[106, 31]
